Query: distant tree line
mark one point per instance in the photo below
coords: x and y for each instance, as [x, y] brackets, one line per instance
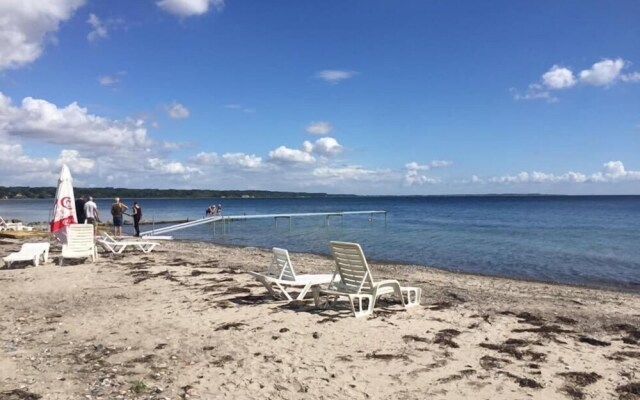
[26, 192]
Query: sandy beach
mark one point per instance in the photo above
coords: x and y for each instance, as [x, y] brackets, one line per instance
[187, 322]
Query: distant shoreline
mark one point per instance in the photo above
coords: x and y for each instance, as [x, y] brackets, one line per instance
[278, 195]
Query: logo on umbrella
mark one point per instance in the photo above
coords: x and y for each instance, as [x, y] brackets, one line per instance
[66, 202]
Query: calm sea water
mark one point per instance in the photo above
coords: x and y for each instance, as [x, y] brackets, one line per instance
[583, 240]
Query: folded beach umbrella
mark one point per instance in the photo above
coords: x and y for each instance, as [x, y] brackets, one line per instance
[64, 209]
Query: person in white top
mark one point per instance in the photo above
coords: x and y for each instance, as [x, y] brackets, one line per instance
[91, 212]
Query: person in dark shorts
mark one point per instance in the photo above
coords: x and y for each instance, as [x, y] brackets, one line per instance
[117, 209]
[136, 213]
[80, 215]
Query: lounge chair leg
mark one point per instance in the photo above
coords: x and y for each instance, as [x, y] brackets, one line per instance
[360, 312]
[413, 296]
[283, 291]
[269, 288]
[316, 296]
[304, 291]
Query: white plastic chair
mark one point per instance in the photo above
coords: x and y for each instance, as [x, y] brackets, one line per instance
[80, 243]
[29, 252]
[357, 284]
[109, 243]
[13, 226]
[281, 275]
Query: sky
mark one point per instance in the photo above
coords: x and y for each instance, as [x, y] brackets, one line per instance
[411, 97]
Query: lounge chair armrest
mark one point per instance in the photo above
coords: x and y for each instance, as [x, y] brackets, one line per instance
[387, 282]
[390, 283]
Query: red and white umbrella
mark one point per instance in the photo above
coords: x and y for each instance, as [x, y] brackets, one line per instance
[64, 209]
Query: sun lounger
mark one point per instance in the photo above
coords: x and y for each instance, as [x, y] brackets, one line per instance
[357, 284]
[13, 226]
[29, 252]
[282, 275]
[80, 243]
[109, 243]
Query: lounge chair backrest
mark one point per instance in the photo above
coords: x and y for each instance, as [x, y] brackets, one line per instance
[79, 237]
[282, 266]
[352, 267]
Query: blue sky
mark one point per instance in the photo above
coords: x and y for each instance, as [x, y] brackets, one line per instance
[367, 97]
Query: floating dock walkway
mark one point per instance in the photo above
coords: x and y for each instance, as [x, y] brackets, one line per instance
[225, 220]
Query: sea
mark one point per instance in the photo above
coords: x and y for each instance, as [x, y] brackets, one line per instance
[584, 240]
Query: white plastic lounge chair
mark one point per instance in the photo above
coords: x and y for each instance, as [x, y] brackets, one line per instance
[80, 242]
[13, 226]
[29, 252]
[109, 243]
[356, 282]
[281, 274]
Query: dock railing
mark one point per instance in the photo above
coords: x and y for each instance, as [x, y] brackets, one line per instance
[227, 219]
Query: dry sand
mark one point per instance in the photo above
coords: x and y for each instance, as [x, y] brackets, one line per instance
[186, 322]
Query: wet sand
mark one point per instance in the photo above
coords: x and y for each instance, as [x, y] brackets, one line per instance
[187, 322]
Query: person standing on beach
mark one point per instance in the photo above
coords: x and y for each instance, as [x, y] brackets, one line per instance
[136, 213]
[117, 209]
[80, 216]
[91, 214]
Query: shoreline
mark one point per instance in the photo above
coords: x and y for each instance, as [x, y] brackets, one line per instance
[417, 266]
[630, 288]
[187, 321]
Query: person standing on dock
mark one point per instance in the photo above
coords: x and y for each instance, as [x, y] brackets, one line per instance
[136, 213]
[117, 209]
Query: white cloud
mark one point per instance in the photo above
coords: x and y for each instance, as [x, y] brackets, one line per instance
[99, 28]
[188, 8]
[71, 125]
[631, 77]
[106, 80]
[25, 26]
[413, 175]
[326, 146]
[602, 73]
[171, 168]
[307, 146]
[75, 163]
[177, 111]
[335, 76]
[20, 163]
[540, 177]
[319, 128]
[441, 163]
[233, 161]
[426, 167]
[612, 171]
[286, 155]
[241, 160]
[350, 173]
[204, 158]
[535, 91]
[558, 78]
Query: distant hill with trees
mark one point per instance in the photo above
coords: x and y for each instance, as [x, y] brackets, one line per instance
[27, 192]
